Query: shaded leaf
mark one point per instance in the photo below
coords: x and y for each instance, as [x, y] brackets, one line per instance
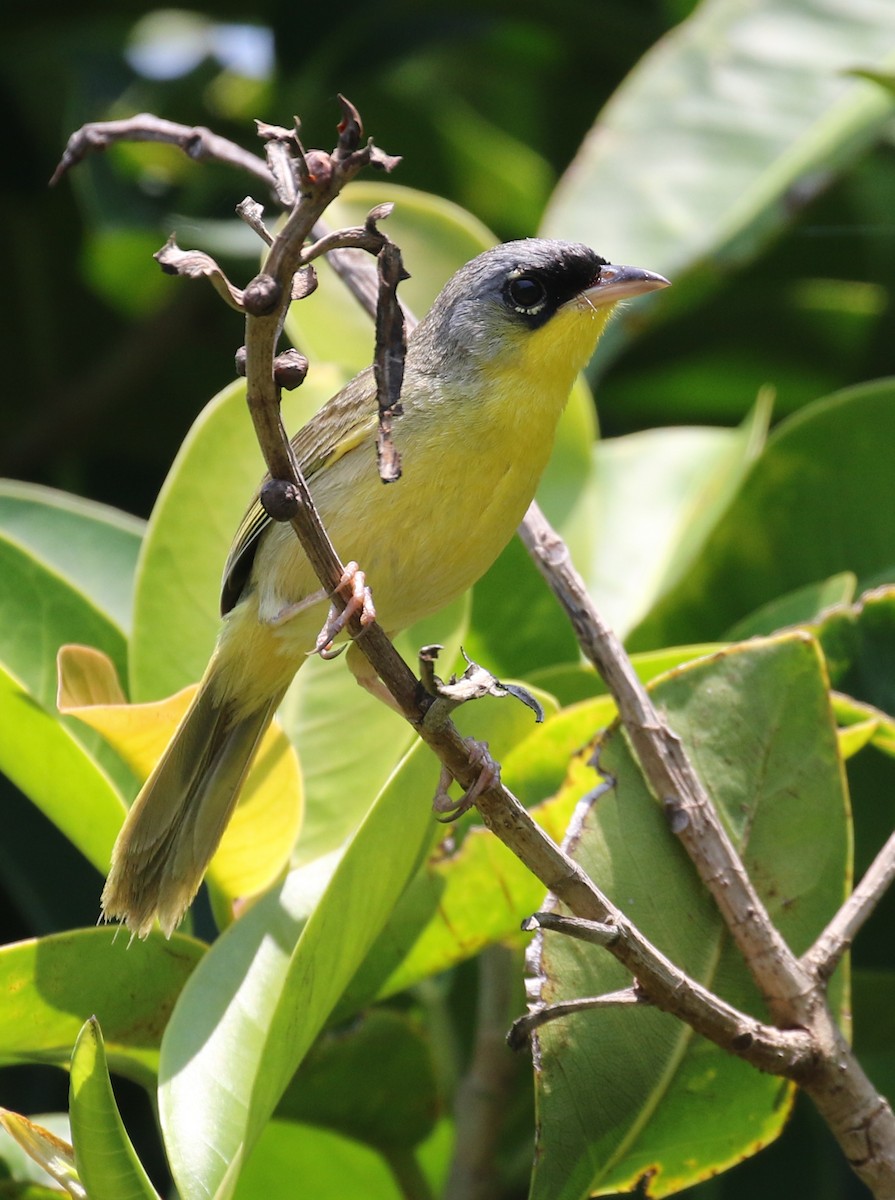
[373, 1081]
[818, 502]
[800, 607]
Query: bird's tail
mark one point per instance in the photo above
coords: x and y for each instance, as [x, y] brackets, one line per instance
[177, 820]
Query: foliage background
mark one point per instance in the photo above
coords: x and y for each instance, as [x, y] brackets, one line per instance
[107, 361]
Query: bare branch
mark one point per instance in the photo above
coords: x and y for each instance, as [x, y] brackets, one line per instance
[823, 957]
[774, 967]
[197, 143]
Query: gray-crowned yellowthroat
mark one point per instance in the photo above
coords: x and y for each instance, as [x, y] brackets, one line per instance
[487, 374]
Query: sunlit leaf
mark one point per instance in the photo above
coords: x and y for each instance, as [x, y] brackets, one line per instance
[50, 1152]
[51, 767]
[106, 1161]
[52, 984]
[92, 546]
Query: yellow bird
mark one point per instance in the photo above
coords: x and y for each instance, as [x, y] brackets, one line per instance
[487, 375]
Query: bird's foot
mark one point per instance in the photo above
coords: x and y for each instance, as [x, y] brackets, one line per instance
[358, 603]
[447, 809]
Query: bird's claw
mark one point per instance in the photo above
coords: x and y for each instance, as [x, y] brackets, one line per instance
[447, 809]
[358, 603]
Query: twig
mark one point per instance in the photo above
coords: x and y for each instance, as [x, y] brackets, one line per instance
[823, 957]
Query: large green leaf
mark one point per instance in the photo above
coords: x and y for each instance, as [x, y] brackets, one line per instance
[107, 1163]
[41, 611]
[92, 546]
[722, 131]
[819, 501]
[51, 985]
[251, 1011]
[329, 1167]
[51, 767]
[659, 495]
[621, 1091]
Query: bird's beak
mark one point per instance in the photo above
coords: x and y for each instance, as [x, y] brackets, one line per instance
[618, 283]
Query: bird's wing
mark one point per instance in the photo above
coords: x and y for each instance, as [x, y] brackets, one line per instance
[345, 422]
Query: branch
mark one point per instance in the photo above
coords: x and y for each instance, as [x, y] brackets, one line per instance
[671, 777]
[823, 957]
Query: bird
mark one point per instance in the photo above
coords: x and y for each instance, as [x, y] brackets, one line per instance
[487, 375]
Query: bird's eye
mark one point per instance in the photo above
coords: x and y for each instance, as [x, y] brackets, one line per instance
[526, 293]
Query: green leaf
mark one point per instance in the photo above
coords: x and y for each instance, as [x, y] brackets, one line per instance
[249, 1014]
[45, 762]
[464, 899]
[373, 1081]
[799, 607]
[874, 1006]
[39, 612]
[818, 502]
[722, 131]
[869, 673]
[52, 984]
[659, 495]
[209, 486]
[329, 1167]
[107, 1162]
[756, 722]
[572, 683]
[92, 546]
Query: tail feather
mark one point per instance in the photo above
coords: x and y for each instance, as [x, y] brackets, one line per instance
[176, 822]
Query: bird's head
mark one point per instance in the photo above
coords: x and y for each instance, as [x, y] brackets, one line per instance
[534, 307]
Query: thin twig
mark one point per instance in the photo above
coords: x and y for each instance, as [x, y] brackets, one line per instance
[823, 957]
